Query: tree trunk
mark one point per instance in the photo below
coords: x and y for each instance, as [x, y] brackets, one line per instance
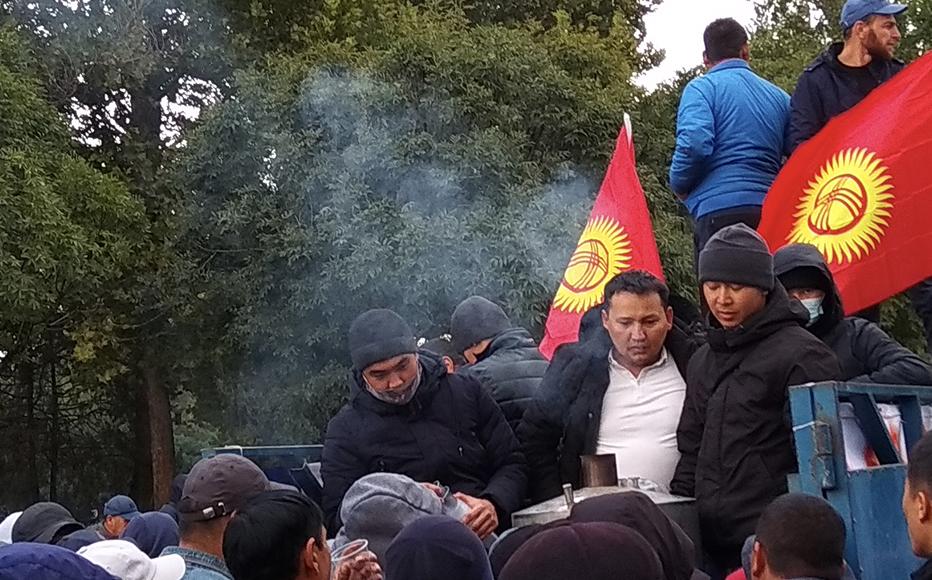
[54, 427]
[155, 457]
[30, 437]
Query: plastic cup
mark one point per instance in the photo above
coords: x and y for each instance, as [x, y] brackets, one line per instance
[347, 552]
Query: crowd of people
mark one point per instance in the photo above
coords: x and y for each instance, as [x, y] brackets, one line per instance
[441, 441]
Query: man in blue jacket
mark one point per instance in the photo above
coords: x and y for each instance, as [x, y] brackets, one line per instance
[730, 135]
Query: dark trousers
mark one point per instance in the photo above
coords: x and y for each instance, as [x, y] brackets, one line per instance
[921, 296]
[706, 226]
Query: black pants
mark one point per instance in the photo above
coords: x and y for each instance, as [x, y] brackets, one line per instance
[706, 226]
[921, 296]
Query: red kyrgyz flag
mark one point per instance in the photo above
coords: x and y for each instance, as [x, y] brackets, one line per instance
[618, 237]
[861, 192]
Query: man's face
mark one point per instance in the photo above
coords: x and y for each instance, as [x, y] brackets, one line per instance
[916, 510]
[114, 526]
[806, 293]
[392, 376]
[638, 326]
[733, 304]
[881, 37]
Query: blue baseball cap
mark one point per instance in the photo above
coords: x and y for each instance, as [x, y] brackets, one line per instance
[121, 506]
[855, 10]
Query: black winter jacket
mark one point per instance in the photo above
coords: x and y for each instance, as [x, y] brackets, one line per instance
[451, 431]
[510, 371]
[735, 435]
[865, 352]
[563, 422]
[827, 89]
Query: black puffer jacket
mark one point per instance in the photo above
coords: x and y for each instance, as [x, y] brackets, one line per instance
[865, 352]
[735, 435]
[826, 89]
[563, 422]
[451, 431]
[510, 370]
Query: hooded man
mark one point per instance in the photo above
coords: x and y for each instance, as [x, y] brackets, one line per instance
[735, 434]
[865, 352]
[407, 415]
[503, 358]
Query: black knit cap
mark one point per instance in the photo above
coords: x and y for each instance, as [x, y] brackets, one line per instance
[737, 255]
[379, 335]
[476, 319]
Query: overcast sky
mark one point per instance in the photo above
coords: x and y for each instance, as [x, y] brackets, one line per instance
[677, 25]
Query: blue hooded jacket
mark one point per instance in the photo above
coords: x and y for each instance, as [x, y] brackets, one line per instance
[152, 532]
[731, 136]
[45, 562]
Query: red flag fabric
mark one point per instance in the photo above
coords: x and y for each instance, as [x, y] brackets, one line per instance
[618, 237]
[861, 192]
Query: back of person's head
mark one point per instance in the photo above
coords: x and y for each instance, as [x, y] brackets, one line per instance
[442, 346]
[917, 497]
[44, 562]
[379, 505]
[635, 510]
[595, 551]
[437, 547]
[215, 488]
[152, 532]
[724, 39]
[638, 282]
[799, 535]
[44, 523]
[276, 535]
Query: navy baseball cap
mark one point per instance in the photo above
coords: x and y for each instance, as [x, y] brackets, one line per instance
[855, 10]
[121, 506]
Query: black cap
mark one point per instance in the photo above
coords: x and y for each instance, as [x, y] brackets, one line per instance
[379, 335]
[476, 319]
[219, 485]
[737, 255]
[44, 523]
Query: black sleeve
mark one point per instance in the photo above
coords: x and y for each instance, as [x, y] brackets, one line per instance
[689, 434]
[542, 428]
[508, 482]
[887, 362]
[340, 467]
[806, 117]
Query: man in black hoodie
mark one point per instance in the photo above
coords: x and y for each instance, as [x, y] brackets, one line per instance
[502, 357]
[407, 415]
[735, 434]
[865, 352]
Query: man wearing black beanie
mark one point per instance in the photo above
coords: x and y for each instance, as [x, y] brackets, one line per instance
[735, 436]
[407, 415]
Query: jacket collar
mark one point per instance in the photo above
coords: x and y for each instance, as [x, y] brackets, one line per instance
[730, 63]
[830, 57]
[199, 560]
[923, 573]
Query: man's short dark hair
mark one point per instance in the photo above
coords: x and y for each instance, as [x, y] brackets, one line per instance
[443, 346]
[850, 29]
[265, 539]
[636, 282]
[802, 536]
[919, 468]
[724, 39]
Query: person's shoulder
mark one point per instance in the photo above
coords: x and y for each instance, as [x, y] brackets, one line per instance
[797, 342]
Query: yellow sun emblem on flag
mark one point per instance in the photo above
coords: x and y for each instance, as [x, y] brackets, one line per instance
[845, 209]
[603, 252]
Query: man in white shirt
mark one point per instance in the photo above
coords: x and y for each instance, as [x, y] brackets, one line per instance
[619, 394]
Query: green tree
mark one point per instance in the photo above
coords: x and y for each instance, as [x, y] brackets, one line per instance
[68, 234]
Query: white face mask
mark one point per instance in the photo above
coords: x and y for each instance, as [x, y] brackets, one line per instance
[814, 306]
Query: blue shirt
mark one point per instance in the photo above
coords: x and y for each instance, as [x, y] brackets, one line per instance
[731, 136]
[200, 566]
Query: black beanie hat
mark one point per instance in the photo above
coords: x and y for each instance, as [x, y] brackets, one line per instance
[379, 335]
[737, 255]
[475, 320]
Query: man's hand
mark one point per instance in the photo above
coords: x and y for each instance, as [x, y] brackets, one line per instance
[436, 489]
[482, 517]
[362, 567]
